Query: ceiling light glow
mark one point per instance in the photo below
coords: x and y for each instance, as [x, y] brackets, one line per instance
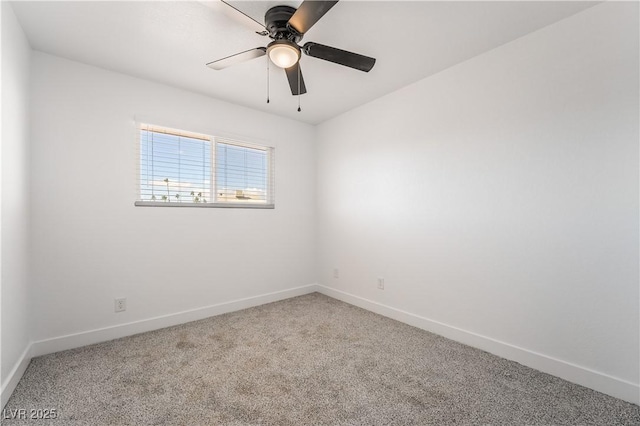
[283, 54]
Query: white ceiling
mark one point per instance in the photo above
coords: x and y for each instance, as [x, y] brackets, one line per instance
[170, 42]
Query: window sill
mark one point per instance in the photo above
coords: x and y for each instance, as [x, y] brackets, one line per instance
[205, 205]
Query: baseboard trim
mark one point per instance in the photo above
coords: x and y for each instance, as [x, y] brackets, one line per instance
[9, 385]
[600, 382]
[89, 337]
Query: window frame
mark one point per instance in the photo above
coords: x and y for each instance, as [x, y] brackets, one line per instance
[213, 140]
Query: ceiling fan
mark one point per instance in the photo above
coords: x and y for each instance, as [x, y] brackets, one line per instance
[286, 26]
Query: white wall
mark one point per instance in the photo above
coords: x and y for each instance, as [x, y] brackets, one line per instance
[499, 200]
[91, 245]
[14, 224]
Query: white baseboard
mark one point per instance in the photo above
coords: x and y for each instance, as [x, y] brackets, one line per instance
[89, 337]
[583, 376]
[10, 383]
[600, 382]
[76, 340]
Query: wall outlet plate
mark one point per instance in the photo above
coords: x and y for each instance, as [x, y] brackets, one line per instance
[336, 273]
[381, 283]
[120, 305]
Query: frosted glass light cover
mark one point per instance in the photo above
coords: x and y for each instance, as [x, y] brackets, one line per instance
[283, 55]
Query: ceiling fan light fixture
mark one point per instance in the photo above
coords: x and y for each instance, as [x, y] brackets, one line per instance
[286, 26]
[283, 53]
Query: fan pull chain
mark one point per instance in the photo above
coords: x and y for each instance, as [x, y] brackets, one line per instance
[299, 88]
[267, 78]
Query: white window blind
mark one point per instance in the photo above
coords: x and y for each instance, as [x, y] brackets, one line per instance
[243, 172]
[181, 168]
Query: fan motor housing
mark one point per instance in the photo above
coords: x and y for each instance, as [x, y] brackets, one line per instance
[276, 20]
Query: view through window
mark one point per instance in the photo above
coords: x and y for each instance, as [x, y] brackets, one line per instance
[191, 169]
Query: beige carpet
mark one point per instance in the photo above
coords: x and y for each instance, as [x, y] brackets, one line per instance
[309, 360]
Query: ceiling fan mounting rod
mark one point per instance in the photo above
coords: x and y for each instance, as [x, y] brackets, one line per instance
[276, 21]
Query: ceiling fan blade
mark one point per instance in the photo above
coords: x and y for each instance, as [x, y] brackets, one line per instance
[292, 76]
[309, 12]
[339, 56]
[237, 58]
[247, 20]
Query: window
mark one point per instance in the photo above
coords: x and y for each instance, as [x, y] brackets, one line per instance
[180, 168]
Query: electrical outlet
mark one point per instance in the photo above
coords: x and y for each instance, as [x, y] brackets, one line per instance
[336, 273]
[381, 283]
[120, 305]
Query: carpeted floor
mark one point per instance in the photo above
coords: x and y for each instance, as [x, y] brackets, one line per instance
[309, 360]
